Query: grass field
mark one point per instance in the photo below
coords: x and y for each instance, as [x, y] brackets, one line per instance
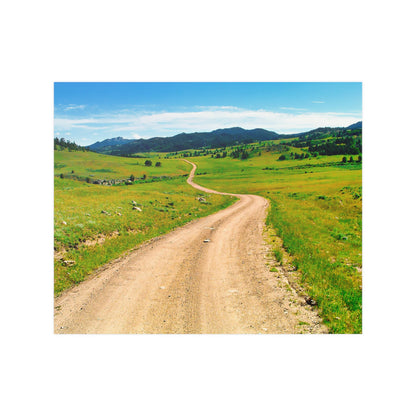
[316, 211]
[86, 238]
[98, 166]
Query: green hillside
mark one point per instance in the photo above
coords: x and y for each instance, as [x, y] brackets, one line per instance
[96, 223]
[315, 208]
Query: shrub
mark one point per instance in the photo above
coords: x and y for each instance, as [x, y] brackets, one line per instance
[278, 255]
[148, 162]
[282, 157]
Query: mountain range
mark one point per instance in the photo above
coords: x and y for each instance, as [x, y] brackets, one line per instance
[216, 138]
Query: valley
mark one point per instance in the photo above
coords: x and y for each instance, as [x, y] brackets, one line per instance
[313, 216]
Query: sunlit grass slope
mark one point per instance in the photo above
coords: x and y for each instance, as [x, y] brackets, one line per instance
[86, 237]
[98, 166]
[316, 210]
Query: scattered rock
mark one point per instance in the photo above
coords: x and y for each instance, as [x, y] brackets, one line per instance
[207, 240]
[137, 208]
[310, 301]
[68, 262]
[134, 202]
[105, 212]
[162, 287]
[201, 199]
[118, 213]
[63, 222]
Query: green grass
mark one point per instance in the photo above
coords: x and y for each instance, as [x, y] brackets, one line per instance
[315, 208]
[89, 238]
[98, 166]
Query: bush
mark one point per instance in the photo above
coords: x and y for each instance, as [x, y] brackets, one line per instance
[282, 157]
[278, 255]
[158, 164]
[148, 163]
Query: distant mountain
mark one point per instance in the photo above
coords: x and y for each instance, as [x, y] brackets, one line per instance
[214, 139]
[108, 145]
[183, 141]
[358, 125]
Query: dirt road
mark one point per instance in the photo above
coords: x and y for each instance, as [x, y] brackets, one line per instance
[184, 284]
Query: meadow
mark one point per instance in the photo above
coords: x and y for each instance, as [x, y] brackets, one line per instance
[95, 224]
[97, 166]
[315, 212]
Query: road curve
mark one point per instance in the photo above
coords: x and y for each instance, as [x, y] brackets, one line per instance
[181, 283]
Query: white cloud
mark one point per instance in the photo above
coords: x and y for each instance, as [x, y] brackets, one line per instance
[318, 102]
[170, 123]
[210, 120]
[74, 107]
[293, 108]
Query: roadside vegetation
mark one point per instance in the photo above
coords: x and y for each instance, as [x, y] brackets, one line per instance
[315, 209]
[97, 223]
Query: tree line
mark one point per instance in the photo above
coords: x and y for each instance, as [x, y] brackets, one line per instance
[61, 144]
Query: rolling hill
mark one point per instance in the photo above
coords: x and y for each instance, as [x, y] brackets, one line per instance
[182, 141]
[119, 146]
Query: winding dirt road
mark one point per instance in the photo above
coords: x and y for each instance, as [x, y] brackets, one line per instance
[180, 284]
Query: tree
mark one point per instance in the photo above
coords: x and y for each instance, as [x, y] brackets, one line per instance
[282, 157]
[132, 177]
[359, 158]
[148, 162]
[158, 164]
[244, 155]
[351, 159]
[344, 159]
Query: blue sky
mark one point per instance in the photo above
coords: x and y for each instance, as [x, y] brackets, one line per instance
[89, 112]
